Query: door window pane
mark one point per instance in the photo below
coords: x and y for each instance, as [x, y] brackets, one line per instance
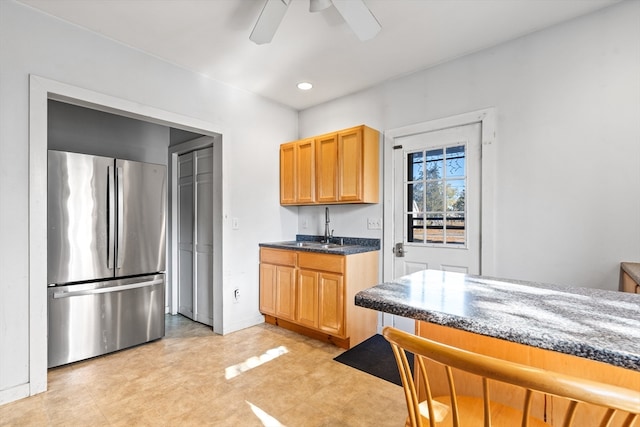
[415, 197]
[435, 163]
[435, 228]
[455, 229]
[455, 195]
[435, 196]
[416, 166]
[456, 161]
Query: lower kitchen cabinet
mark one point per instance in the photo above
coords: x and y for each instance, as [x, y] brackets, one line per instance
[277, 284]
[317, 298]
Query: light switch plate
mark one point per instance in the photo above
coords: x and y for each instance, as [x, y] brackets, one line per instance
[235, 224]
[374, 223]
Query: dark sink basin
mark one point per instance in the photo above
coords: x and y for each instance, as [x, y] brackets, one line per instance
[318, 245]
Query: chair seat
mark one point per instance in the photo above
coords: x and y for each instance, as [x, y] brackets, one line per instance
[471, 413]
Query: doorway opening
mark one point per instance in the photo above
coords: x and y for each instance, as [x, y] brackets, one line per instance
[41, 90]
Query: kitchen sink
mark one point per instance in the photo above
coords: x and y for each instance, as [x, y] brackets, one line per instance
[318, 245]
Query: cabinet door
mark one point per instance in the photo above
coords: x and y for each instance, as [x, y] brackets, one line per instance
[307, 313]
[327, 168]
[350, 155]
[287, 173]
[331, 303]
[285, 292]
[268, 289]
[305, 171]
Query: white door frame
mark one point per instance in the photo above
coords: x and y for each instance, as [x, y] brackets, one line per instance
[40, 91]
[486, 118]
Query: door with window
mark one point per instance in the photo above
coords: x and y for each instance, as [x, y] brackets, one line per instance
[436, 215]
[437, 201]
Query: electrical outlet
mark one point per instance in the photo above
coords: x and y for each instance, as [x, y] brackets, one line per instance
[305, 223]
[236, 295]
[374, 223]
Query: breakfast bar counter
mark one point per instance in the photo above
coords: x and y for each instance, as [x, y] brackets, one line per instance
[589, 333]
[589, 323]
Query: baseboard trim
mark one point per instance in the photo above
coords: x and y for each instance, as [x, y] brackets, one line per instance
[14, 393]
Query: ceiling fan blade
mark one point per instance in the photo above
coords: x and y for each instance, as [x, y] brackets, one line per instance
[359, 18]
[269, 21]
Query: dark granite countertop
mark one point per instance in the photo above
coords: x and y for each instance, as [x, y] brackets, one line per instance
[339, 246]
[591, 323]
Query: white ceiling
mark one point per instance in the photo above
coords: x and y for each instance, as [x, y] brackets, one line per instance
[211, 37]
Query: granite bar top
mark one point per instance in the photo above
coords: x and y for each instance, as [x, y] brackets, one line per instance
[632, 269]
[341, 245]
[591, 323]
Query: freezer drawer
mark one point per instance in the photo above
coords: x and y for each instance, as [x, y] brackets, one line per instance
[89, 320]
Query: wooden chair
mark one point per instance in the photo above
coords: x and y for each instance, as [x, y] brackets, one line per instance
[454, 410]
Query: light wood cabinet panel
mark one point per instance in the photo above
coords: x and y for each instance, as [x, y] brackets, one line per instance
[331, 303]
[285, 292]
[350, 165]
[278, 256]
[315, 295]
[297, 172]
[327, 168]
[338, 167]
[307, 298]
[288, 184]
[268, 289]
[322, 262]
[305, 171]
[277, 282]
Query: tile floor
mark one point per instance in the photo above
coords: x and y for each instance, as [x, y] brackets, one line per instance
[182, 380]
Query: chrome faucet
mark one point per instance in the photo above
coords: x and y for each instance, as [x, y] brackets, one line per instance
[327, 234]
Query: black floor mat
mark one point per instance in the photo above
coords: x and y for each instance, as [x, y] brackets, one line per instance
[374, 356]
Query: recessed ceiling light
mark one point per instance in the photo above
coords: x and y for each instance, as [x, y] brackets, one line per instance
[304, 86]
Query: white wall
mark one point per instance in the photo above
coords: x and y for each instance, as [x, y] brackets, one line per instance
[34, 43]
[568, 132]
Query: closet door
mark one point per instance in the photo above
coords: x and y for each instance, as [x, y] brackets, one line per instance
[195, 235]
[185, 235]
[203, 235]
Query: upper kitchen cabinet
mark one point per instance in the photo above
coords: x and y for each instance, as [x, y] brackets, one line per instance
[297, 172]
[344, 169]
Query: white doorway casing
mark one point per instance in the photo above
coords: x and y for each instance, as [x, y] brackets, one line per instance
[486, 118]
[40, 91]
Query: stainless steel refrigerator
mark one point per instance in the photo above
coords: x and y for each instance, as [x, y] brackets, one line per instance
[106, 255]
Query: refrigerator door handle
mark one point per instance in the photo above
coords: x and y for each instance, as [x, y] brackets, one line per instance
[111, 217]
[120, 226]
[64, 294]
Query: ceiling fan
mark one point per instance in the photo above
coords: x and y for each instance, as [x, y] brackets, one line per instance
[355, 13]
